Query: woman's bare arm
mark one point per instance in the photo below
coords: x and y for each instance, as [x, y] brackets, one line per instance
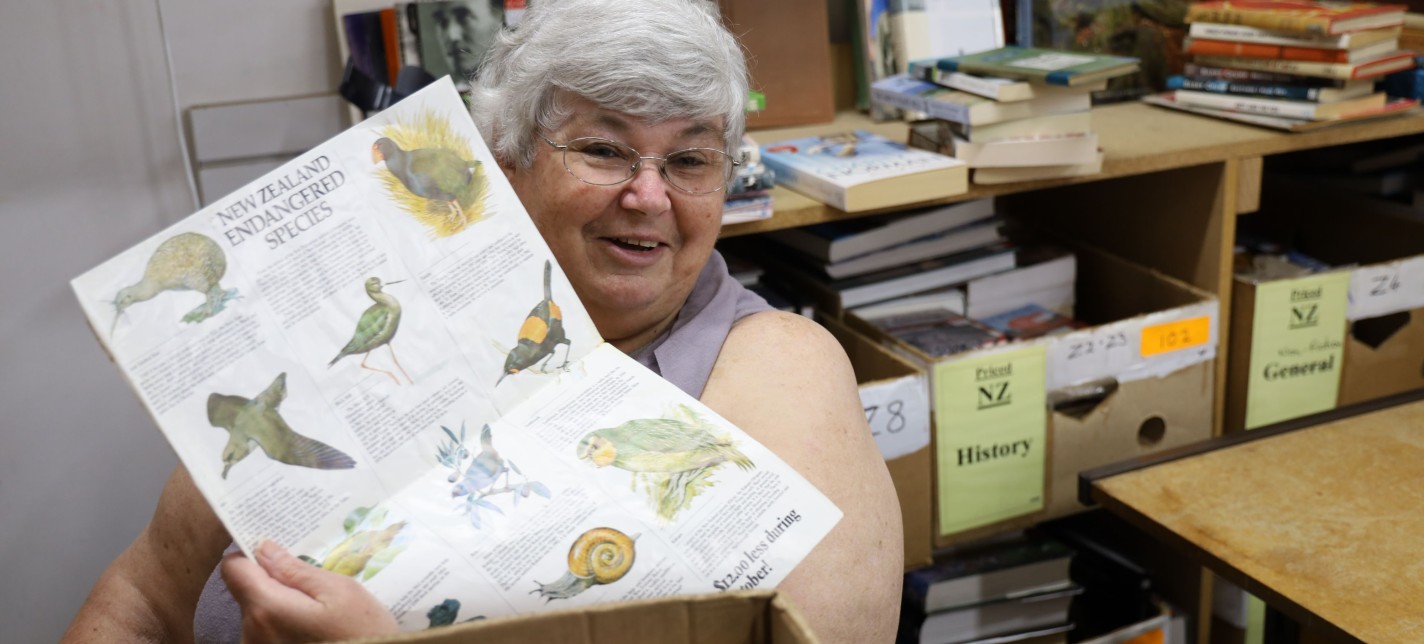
[150, 591]
[786, 382]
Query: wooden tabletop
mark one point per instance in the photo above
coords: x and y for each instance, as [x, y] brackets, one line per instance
[1136, 138]
[1325, 523]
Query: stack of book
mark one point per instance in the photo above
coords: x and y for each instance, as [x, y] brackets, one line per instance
[858, 262]
[749, 193]
[1014, 113]
[1289, 64]
[1015, 590]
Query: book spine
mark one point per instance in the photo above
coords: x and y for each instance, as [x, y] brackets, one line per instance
[1324, 70]
[1229, 48]
[1311, 54]
[949, 111]
[1264, 90]
[912, 102]
[1266, 106]
[806, 183]
[1227, 73]
[1239, 33]
[971, 84]
[1271, 20]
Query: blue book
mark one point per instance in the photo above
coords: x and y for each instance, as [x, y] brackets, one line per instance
[1314, 94]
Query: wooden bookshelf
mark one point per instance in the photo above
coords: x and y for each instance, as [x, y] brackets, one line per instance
[1136, 139]
[1168, 197]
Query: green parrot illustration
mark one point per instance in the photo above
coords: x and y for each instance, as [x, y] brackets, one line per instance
[659, 445]
[351, 555]
[257, 420]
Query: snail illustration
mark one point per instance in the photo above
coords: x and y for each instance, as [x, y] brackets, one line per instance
[599, 556]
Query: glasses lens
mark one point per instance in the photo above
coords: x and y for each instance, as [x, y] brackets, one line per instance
[600, 161]
[698, 170]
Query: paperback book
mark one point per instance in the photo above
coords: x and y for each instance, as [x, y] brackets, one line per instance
[1018, 567]
[1045, 66]
[340, 363]
[1292, 91]
[837, 241]
[860, 171]
[1299, 16]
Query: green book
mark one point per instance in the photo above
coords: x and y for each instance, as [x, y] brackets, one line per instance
[1046, 66]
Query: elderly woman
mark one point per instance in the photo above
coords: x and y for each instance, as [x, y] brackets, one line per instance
[612, 120]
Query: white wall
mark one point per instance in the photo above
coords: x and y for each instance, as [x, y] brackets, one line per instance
[90, 163]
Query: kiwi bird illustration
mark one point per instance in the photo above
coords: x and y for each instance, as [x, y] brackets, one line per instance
[484, 470]
[659, 445]
[376, 327]
[353, 553]
[438, 174]
[541, 333]
[257, 420]
[183, 262]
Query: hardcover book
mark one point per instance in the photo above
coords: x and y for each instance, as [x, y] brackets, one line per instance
[938, 244]
[1046, 66]
[1289, 52]
[1005, 90]
[992, 176]
[971, 109]
[1299, 16]
[344, 367]
[1373, 68]
[1030, 321]
[1047, 150]
[1243, 33]
[1281, 107]
[838, 241]
[862, 171]
[948, 335]
[1017, 567]
[1292, 91]
[835, 296]
[1392, 108]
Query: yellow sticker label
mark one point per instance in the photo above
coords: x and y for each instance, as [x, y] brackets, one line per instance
[1174, 336]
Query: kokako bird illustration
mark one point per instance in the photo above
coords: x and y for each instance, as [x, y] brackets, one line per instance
[659, 445]
[541, 333]
[257, 420]
[484, 470]
[377, 327]
[183, 262]
[434, 173]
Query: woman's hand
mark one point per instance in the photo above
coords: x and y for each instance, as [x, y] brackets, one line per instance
[285, 599]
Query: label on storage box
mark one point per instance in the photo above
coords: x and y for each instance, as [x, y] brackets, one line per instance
[1297, 346]
[991, 437]
[1381, 289]
[898, 412]
[1146, 346]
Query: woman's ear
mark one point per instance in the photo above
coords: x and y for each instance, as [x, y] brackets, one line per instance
[507, 167]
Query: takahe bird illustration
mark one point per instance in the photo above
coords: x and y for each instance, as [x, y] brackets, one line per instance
[376, 327]
[659, 445]
[484, 470]
[183, 262]
[435, 173]
[541, 333]
[257, 420]
[351, 555]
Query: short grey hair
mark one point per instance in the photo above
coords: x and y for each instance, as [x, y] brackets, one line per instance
[652, 59]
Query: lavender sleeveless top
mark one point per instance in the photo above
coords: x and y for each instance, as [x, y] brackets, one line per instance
[684, 355]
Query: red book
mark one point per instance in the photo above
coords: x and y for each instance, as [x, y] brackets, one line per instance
[1283, 52]
[1299, 16]
[390, 35]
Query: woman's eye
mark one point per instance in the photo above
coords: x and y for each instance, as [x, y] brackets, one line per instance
[602, 151]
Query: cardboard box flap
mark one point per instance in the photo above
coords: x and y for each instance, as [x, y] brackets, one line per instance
[741, 617]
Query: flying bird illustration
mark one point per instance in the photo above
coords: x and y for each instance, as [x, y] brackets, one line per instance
[484, 470]
[351, 555]
[376, 327]
[541, 333]
[184, 262]
[257, 420]
[659, 445]
[434, 173]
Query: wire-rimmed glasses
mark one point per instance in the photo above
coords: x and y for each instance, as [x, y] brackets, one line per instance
[604, 162]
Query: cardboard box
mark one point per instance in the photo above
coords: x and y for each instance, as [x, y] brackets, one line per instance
[741, 617]
[788, 47]
[1148, 403]
[1383, 242]
[881, 373]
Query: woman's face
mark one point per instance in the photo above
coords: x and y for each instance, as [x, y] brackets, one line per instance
[634, 250]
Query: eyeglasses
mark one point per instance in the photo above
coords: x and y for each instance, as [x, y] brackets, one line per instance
[602, 162]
